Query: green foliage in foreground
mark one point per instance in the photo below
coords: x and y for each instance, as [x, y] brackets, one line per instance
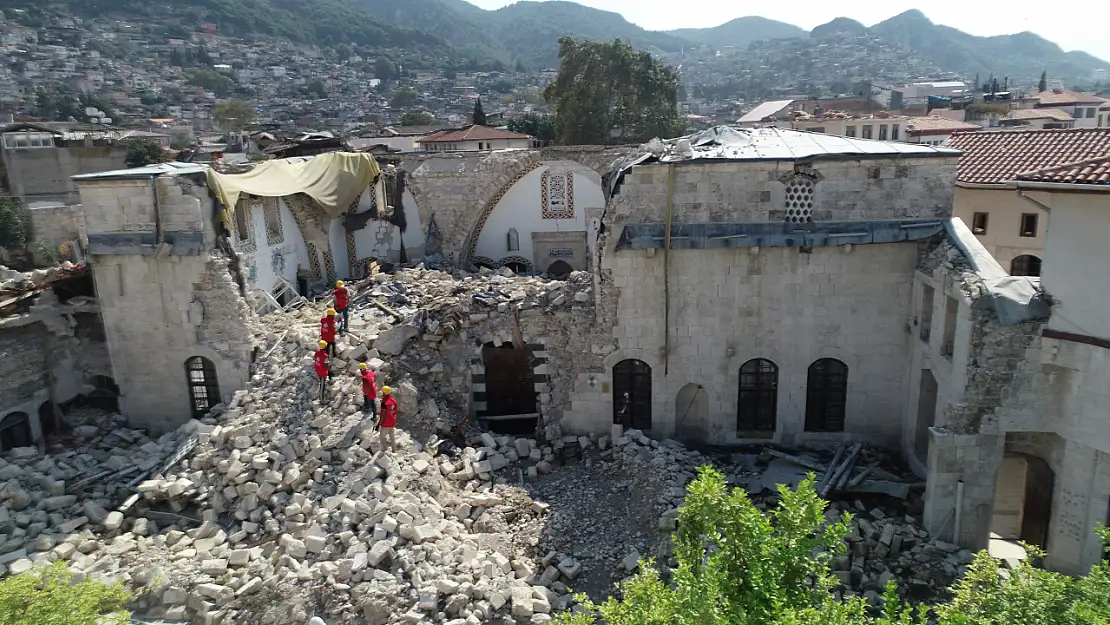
[740, 566]
[49, 596]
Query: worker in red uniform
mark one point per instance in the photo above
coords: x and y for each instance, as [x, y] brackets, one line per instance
[327, 331]
[389, 419]
[369, 389]
[320, 363]
[342, 300]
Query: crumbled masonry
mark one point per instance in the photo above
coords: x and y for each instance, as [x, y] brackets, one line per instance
[275, 508]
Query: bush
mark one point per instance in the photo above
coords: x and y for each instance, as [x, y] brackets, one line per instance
[740, 566]
[49, 596]
[15, 224]
[142, 152]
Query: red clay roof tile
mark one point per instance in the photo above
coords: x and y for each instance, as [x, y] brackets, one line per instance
[470, 133]
[995, 156]
[1093, 171]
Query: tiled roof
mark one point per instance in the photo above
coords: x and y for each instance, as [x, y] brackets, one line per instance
[936, 123]
[1092, 171]
[1066, 96]
[993, 157]
[471, 133]
[1048, 113]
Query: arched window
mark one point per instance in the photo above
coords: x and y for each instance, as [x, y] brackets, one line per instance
[826, 396]
[632, 394]
[15, 431]
[204, 389]
[513, 240]
[757, 400]
[1025, 265]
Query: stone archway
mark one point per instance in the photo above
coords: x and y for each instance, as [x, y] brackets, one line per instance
[596, 158]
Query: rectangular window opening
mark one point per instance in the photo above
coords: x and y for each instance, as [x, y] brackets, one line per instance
[882, 132]
[951, 309]
[850, 131]
[894, 130]
[925, 316]
[979, 223]
[1029, 224]
[867, 132]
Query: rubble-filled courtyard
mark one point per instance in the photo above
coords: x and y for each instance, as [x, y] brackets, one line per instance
[276, 507]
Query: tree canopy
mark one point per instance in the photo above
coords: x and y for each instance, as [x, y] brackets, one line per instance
[141, 152]
[384, 69]
[479, 114]
[233, 115]
[611, 93]
[15, 223]
[213, 81]
[740, 566]
[416, 118]
[539, 126]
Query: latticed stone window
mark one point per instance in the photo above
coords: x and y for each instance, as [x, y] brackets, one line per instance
[799, 200]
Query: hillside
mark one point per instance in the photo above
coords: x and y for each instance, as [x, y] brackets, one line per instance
[740, 32]
[333, 22]
[524, 31]
[1021, 56]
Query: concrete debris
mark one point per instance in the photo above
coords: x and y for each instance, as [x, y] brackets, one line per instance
[277, 507]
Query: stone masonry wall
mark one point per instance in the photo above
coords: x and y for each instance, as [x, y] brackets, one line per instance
[22, 364]
[53, 226]
[708, 191]
[458, 189]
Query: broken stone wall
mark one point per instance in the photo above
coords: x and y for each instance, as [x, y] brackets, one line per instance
[459, 190]
[162, 307]
[56, 227]
[71, 334]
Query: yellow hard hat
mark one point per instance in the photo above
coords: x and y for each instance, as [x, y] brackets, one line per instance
[331, 312]
[323, 344]
[339, 284]
[386, 390]
[362, 365]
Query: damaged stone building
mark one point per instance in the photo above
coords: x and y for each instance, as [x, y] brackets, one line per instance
[731, 287]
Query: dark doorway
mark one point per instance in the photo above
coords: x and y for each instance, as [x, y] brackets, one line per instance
[15, 431]
[204, 389]
[757, 399]
[510, 381]
[517, 267]
[632, 394]
[105, 394]
[826, 396]
[559, 270]
[1037, 508]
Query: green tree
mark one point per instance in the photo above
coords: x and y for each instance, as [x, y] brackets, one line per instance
[403, 98]
[233, 115]
[15, 224]
[610, 92]
[384, 69]
[50, 596]
[317, 87]
[479, 114]
[1043, 84]
[212, 81]
[417, 118]
[141, 152]
[520, 69]
[539, 126]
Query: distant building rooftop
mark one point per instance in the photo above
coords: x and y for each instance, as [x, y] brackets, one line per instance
[471, 133]
[935, 124]
[1046, 113]
[763, 111]
[149, 171]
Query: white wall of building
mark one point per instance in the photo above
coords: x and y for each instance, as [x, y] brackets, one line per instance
[521, 208]
[383, 240]
[1078, 224]
[280, 258]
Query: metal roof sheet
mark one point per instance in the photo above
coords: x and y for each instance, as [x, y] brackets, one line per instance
[767, 109]
[781, 144]
[148, 171]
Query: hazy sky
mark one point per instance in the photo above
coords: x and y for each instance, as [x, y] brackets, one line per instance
[1080, 29]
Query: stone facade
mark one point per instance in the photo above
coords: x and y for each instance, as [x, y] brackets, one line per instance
[45, 174]
[790, 305]
[56, 227]
[164, 303]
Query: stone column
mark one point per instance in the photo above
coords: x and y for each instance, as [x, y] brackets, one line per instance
[973, 459]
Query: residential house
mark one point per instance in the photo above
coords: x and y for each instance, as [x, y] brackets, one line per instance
[1089, 111]
[474, 138]
[930, 130]
[1039, 118]
[1010, 225]
[38, 161]
[935, 129]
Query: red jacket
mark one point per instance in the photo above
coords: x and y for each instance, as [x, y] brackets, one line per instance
[327, 329]
[320, 363]
[389, 412]
[341, 298]
[369, 384]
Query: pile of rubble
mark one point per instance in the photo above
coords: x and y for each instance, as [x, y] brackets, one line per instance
[19, 281]
[279, 506]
